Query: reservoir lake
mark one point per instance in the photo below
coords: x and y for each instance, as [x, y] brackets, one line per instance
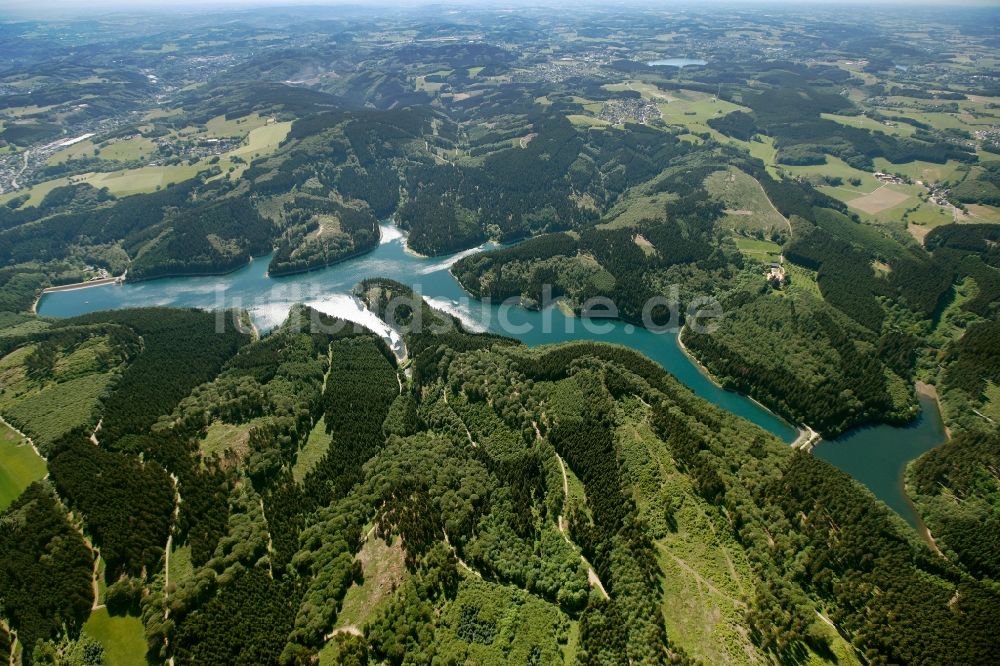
[676, 62]
[876, 456]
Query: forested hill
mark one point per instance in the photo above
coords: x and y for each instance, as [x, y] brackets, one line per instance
[555, 504]
[177, 487]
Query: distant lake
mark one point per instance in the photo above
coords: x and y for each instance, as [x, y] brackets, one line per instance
[676, 62]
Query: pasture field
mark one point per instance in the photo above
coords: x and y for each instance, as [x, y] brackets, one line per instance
[982, 214]
[836, 168]
[85, 147]
[587, 121]
[747, 207]
[991, 402]
[763, 150]
[19, 465]
[143, 179]
[156, 114]
[693, 109]
[882, 199]
[220, 128]
[927, 172]
[761, 250]
[136, 148]
[123, 638]
[864, 122]
[37, 192]
[647, 90]
[263, 139]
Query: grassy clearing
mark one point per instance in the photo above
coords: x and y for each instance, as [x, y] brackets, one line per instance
[226, 439]
[708, 578]
[801, 280]
[157, 114]
[864, 122]
[991, 402]
[761, 250]
[587, 121]
[421, 83]
[181, 567]
[384, 572]
[136, 148]
[693, 109]
[837, 168]
[80, 149]
[522, 623]
[36, 193]
[953, 322]
[314, 449]
[881, 200]
[746, 204]
[982, 214]
[648, 90]
[19, 466]
[635, 208]
[927, 172]
[931, 215]
[123, 638]
[219, 128]
[143, 179]
[46, 408]
[764, 150]
[263, 140]
[12, 324]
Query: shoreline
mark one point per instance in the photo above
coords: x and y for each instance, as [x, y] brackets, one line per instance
[353, 255]
[807, 438]
[930, 391]
[101, 282]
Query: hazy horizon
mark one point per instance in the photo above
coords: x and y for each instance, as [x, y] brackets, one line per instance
[69, 8]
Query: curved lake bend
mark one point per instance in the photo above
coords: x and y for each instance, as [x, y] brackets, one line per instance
[328, 290]
[676, 62]
[877, 456]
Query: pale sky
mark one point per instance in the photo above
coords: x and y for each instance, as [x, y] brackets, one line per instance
[68, 8]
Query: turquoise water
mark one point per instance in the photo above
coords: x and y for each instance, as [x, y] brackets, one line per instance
[875, 456]
[329, 289]
[676, 62]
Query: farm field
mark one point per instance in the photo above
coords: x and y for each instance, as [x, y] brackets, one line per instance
[882, 199]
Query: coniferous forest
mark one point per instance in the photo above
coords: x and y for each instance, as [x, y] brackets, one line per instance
[794, 209]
